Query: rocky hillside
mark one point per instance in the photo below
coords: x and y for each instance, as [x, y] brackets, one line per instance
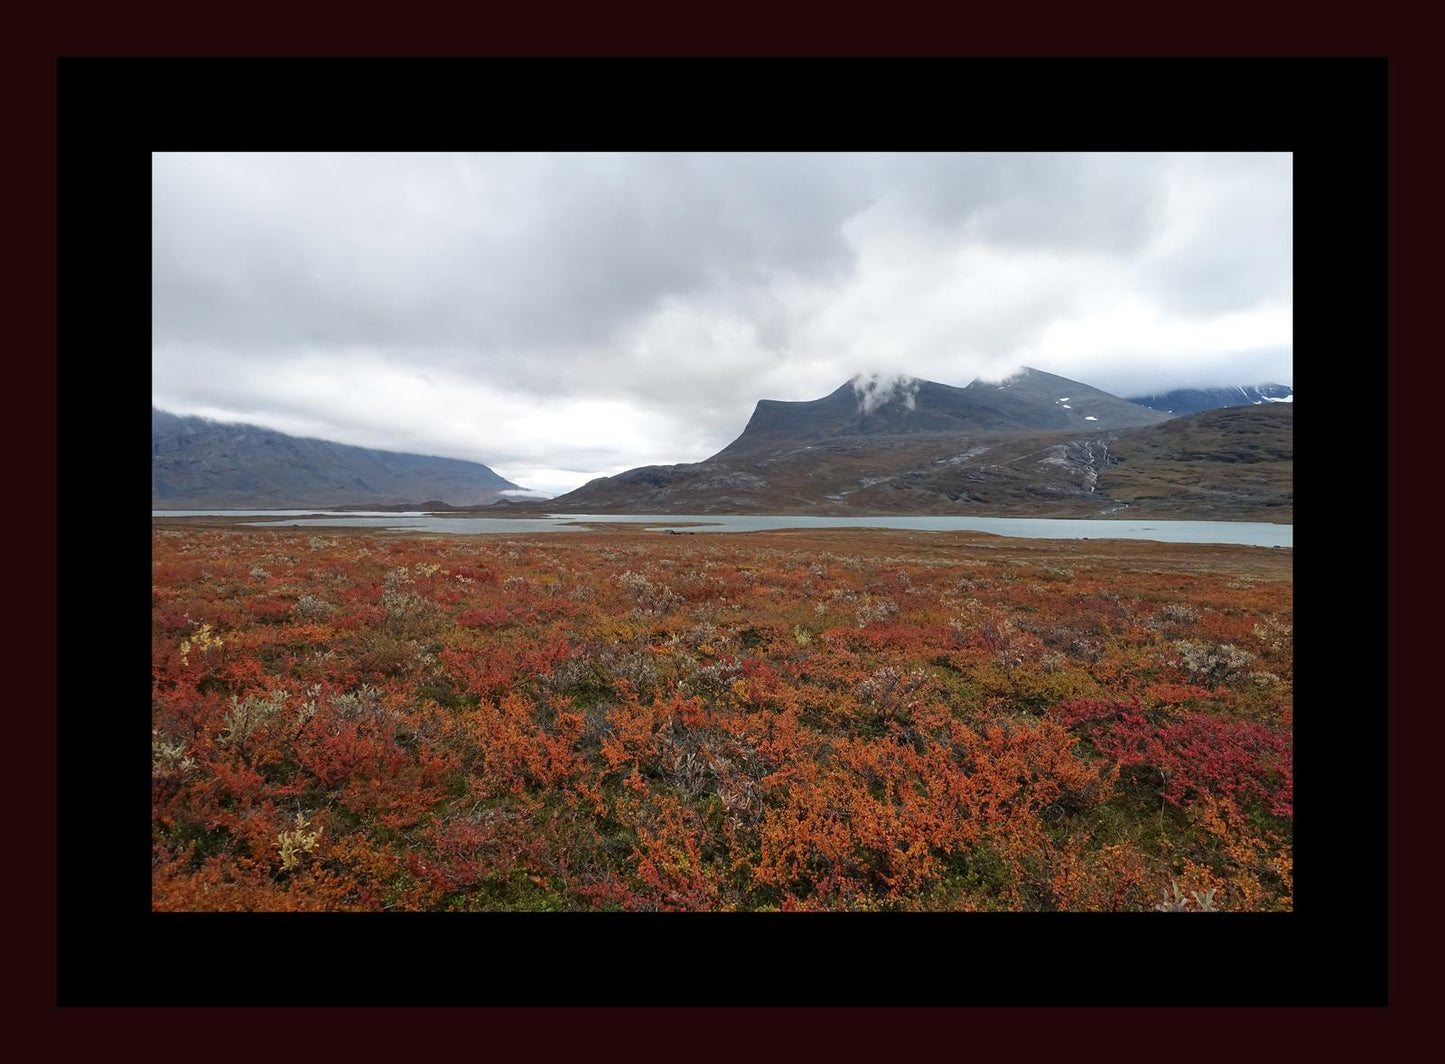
[1029, 401]
[795, 457]
[1042, 473]
[1235, 463]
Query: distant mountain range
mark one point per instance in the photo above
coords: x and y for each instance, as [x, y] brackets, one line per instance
[1035, 443]
[1194, 400]
[201, 464]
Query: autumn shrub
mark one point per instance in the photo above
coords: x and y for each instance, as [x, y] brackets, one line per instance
[1192, 754]
[410, 614]
[169, 757]
[650, 598]
[875, 610]
[248, 714]
[1211, 664]
[848, 720]
[312, 608]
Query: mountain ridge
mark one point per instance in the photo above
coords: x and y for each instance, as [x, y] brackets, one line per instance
[1044, 447]
[1196, 400]
[1032, 400]
[199, 463]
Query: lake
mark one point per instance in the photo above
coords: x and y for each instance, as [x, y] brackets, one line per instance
[1250, 533]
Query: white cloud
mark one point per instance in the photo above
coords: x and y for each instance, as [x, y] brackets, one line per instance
[565, 317]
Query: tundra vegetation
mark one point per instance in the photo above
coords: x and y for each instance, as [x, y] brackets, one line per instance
[615, 720]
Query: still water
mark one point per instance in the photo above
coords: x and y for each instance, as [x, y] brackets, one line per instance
[1251, 533]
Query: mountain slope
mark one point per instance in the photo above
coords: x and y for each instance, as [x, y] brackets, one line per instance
[1003, 448]
[1031, 400]
[1195, 400]
[940, 472]
[196, 463]
[1234, 463]
[1060, 403]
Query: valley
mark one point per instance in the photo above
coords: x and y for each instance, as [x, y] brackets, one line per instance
[1033, 445]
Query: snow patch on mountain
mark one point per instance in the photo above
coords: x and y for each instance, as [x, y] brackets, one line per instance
[1196, 400]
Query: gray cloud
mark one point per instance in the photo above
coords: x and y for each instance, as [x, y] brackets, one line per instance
[486, 254]
[1033, 200]
[573, 315]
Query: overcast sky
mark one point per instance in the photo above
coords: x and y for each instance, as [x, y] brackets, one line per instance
[562, 317]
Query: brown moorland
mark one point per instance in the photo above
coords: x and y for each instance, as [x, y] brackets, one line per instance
[804, 719]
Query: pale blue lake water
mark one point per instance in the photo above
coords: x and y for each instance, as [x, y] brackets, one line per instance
[1251, 533]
